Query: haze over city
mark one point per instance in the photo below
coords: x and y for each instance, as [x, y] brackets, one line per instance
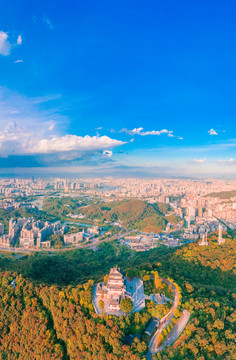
[115, 88]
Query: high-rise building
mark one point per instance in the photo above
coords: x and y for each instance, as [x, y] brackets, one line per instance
[191, 213]
[221, 240]
[210, 213]
[204, 240]
[199, 212]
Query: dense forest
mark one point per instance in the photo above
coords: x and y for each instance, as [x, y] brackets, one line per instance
[51, 323]
[62, 206]
[135, 214]
[53, 297]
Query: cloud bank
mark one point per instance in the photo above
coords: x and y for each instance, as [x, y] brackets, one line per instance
[73, 143]
[30, 127]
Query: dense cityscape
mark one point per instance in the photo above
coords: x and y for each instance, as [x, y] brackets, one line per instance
[199, 207]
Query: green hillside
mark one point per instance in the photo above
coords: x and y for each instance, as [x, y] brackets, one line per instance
[54, 298]
[135, 214]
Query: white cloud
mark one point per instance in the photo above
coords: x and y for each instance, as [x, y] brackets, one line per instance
[229, 161]
[16, 140]
[19, 40]
[73, 143]
[140, 131]
[51, 125]
[212, 132]
[135, 131]
[107, 153]
[18, 61]
[5, 45]
[200, 161]
[25, 128]
[156, 132]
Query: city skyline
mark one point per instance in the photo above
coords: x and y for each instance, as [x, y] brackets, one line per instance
[118, 89]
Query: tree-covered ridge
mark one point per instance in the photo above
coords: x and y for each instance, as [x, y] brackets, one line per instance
[223, 194]
[210, 334]
[69, 267]
[221, 257]
[209, 293]
[52, 323]
[25, 326]
[135, 214]
[62, 206]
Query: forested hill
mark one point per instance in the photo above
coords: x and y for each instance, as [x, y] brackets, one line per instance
[223, 194]
[42, 323]
[221, 257]
[54, 298]
[66, 327]
[135, 214]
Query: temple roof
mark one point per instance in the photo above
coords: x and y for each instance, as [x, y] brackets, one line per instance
[116, 271]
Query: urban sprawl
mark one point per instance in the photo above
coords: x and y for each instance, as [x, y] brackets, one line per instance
[203, 207]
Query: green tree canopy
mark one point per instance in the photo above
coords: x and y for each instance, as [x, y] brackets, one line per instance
[101, 304]
[126, 305]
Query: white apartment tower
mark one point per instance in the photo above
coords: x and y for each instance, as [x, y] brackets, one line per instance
[221, 240]
[204, 240]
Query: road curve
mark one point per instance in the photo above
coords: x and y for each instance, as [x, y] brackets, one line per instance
[165, 321]
[49, 250]
[176, 331]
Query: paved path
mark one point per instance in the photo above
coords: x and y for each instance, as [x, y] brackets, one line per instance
[157, 298]
[176, 331]
[95, 300]
[165, 321]
[135, 287]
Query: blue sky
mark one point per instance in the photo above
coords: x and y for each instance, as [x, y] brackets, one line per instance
[118, 88]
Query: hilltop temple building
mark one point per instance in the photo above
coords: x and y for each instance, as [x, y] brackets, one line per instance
[114, 291]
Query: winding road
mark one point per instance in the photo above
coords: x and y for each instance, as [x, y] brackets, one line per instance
[165, 321]
[176, 331]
